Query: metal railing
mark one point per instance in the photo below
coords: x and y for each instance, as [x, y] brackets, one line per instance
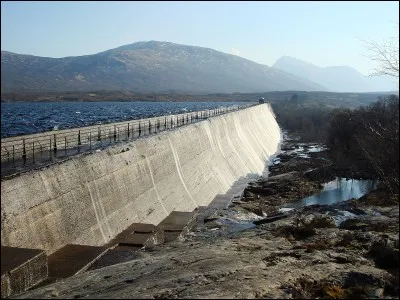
[33, 148]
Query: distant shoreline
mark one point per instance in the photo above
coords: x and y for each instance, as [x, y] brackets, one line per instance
[102, 96]
[126, 96]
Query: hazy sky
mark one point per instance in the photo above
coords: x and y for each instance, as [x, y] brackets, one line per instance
[323, 33]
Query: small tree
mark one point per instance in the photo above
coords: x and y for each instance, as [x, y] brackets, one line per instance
[386, 55]
[380, 141]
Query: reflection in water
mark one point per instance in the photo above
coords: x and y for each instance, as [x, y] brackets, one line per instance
[337, 191]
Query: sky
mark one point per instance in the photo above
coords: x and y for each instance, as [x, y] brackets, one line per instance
[322, 33]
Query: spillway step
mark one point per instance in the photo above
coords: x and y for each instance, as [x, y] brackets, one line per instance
[21, 268]
[138, 235]
[177, 224]
[114, 256]
[73, 259]
[219, 202]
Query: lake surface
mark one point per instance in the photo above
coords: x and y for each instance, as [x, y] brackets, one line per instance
[33, 117]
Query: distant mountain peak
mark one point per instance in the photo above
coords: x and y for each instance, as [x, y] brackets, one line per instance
[291, 59]
[335, 78]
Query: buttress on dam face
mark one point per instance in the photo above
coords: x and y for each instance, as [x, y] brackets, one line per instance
[91, 198]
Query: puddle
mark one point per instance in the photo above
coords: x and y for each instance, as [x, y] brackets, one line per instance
[234, 221]
[333, 192]
[336, 191]
[231, 225]
[316, 148]
[341, 215]
[275, 161]
[303, 149]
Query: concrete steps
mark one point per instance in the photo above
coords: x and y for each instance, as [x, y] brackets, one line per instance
[21, 269]
[114, 256]
[138, 235]
[177, 224]
[17, 263]
[219, 202]
[123, 247]
[73, 259]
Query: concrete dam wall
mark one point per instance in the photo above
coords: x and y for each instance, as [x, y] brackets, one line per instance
[90, 198]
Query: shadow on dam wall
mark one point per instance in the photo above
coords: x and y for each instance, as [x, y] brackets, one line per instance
[90, 199]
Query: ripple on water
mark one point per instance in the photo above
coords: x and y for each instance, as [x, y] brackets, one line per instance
[16, 118]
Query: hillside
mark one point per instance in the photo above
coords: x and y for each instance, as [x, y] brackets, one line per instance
[335, 78]
[147, 67]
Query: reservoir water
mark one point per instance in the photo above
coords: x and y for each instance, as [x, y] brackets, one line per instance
[32, 117]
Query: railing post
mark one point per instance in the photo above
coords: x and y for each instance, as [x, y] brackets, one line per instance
[149, 126]
[55, 143]
[128, 130]
[65, 144]
[172, 123]
[165, 123]
[115, 133]
[50, 148]
[99, 134]
[79, 137]
[90, 140]
[13, 153]
[23, 149]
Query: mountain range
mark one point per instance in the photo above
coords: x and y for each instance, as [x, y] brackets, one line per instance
[164, 67]
[340, 79]
[146, 67]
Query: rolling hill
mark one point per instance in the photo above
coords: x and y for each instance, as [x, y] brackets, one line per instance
[146, 67]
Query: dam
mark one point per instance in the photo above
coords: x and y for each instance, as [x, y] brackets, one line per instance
[91, 198]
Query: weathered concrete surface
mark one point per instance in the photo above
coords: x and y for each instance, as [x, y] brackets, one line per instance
[21, 269]
[90, 199]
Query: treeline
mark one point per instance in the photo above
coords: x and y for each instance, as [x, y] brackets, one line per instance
[308, 121]
[368, 137]
[364, 140]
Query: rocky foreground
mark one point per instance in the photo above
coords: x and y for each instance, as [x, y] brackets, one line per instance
[306, 253]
